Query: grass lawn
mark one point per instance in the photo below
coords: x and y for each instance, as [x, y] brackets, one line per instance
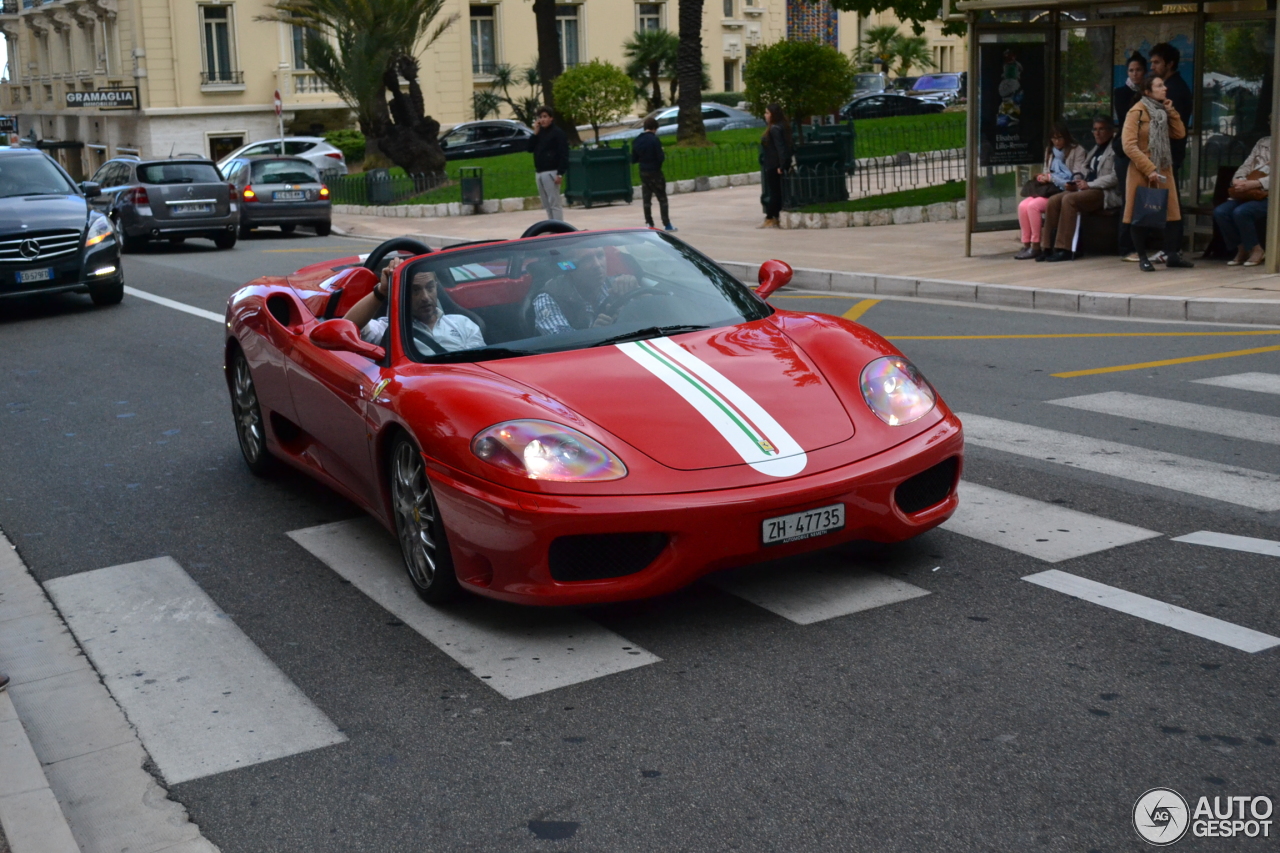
[951, 191]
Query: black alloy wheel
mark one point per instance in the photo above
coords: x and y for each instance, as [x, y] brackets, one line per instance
[423, 544]
[250, 428]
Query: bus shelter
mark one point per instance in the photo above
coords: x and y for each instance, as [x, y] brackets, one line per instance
[1031, 64]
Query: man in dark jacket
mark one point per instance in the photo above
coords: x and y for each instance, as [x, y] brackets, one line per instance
[647, 151]
[550, 149]
[1164, 64]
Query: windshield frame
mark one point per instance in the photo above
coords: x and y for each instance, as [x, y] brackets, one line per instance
[581, 339]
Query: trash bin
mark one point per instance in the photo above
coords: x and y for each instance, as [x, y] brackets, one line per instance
[843, 135]
[599, 174]
[377, 186]
[471, 179]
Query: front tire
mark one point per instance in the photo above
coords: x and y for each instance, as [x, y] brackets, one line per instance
[423, 544]
[250, 429]
[107, 294]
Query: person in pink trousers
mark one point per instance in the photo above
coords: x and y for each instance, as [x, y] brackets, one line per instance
[1063, 161]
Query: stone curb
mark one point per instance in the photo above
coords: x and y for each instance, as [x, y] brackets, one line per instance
[943, 211]
[29, 812]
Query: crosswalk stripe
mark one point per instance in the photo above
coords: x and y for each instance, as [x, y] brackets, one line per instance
[1175, 413]
[202, 695]
[1169, 615]
[518, 651]
[1239, 486]
[1037, 529]
[1264, 383]
[1266, 547]
[815, 588]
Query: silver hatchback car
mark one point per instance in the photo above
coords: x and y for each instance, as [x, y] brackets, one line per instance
[168, 200]
[283, 191]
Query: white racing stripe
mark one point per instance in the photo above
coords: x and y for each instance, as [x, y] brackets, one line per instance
[1263, 383]
[518, 651]
[1266, 547]
[744, 424]
[1240, 486]
[1175, 413]
[1178, 618]
[177, 306]
[202, 696]
[1041, 530]
[815, 588]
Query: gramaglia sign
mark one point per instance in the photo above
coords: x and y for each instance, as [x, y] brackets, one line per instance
[105, 99]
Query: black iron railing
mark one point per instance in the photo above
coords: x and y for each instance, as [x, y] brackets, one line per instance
[212, 78]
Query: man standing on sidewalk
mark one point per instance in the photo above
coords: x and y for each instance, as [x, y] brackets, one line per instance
[550, 149]
[647, 151]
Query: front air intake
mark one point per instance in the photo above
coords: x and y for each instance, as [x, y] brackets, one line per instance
[931, 486]
[599, 556]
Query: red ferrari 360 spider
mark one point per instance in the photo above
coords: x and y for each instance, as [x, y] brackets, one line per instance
[584, 416]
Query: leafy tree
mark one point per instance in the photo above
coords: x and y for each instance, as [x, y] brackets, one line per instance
[690, 130]
[349, 142]
[524, 107]
[805, 77]
[363, 49]
[595, 93]
[910, 51]
[648, 53]
[877, 46]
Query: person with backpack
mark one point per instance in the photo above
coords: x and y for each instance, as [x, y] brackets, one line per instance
[647, 151]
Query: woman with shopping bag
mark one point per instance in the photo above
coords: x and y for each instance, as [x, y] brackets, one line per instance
[1151, 193]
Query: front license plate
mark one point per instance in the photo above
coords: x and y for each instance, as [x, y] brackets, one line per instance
[193, 208]
[802, 525]
[297, 195]
[32, 276]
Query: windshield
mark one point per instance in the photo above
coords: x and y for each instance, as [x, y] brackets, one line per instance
[179, 173]
[284, 172]
[568, 292]
[868, 83]
[32, 174]
[938, 81]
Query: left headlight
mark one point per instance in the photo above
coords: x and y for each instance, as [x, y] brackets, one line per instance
[896, 391]
[542, 450]
[99, 230]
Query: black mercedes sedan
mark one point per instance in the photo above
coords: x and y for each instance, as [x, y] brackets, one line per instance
[51, 240]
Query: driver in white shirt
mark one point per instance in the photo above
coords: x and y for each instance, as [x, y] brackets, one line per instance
[451, 331]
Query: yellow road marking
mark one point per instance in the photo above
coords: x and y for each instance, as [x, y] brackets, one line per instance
[811, 296]
[1166, 362]
[858, 310]
[1077, 335]
[329, 249]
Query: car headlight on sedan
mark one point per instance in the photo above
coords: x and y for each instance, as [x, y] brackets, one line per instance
[896, 391]
[99, 230]
[542, 450]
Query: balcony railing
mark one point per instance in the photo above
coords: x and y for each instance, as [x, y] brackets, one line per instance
[10, 7]
[483, 67]
[213, 78]
[308, 83]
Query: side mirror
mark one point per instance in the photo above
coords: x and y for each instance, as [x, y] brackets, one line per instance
[773, 275]
[341, 335]
[90, 189]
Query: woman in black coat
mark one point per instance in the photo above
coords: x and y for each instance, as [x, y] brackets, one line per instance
[1122, 99]
[775, 160]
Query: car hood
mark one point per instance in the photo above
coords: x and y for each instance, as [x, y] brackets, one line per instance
[725, 397]
[42, 212]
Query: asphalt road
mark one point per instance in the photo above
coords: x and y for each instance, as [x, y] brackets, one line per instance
[991, 714]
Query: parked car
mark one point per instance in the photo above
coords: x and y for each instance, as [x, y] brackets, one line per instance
[886, 105]
[473, 139]
[51, 238]
[903, 84]
[284, 191]
[322, 155]
[869, 82]
[167, 199]
[714, 117]
[945, 88]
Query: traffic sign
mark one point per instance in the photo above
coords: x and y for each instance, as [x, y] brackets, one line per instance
[279, 105]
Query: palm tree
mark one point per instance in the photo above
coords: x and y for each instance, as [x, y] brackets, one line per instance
[689, 71]
[648, 53]
[877, 46]
[910, 51]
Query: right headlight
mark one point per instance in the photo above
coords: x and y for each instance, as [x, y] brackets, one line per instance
[542, 450]
[896, 391]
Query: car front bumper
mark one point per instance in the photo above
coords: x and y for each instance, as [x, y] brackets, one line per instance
[500, 539]
[78, 271]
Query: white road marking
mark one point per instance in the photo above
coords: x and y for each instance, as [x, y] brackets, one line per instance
[1178, 618]
[1266, 547]
[1240, 486]
[177, 306]
[1175, 413]
[202, 696]
[1037, 529]
[1264, 383]
[815, 588]
[518, 651]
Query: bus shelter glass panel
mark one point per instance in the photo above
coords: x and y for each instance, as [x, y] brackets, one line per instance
[1013, 90]
[1085, 78]
[1236, 99]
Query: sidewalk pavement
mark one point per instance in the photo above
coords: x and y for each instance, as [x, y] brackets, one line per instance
[924, 260]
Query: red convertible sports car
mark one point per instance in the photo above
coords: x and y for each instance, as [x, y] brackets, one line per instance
[584, 416]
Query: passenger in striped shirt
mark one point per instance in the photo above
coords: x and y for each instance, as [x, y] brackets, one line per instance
[576, 298]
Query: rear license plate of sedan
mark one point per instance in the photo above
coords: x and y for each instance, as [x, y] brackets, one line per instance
[802, 525]
[193, 208]
[32, 276]
[292, 195]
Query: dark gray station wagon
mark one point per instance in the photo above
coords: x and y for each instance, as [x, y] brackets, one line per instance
[168, 200]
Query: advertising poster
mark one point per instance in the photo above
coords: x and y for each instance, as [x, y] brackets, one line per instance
[1011, 100]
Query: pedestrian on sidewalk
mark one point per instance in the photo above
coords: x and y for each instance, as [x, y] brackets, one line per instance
[1149, 128]
[1122, 99]
[647, 151]
[1089, 194]
[775, 160]
[1241, 217]
[550, 149]
[1064, 161]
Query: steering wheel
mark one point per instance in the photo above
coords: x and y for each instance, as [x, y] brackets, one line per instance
[409, 244]
[614, 304]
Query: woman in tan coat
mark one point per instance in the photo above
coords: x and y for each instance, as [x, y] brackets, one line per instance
[1148, 127]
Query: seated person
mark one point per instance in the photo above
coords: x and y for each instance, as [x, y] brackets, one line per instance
[1240, 221]
[451, 331]
[1096, 188]
[574, 299]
